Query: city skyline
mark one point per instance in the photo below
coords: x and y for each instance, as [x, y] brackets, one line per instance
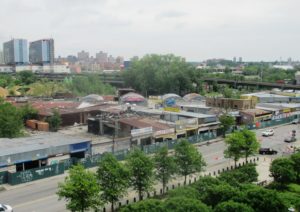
[197, 30]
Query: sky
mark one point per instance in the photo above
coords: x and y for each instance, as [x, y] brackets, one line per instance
[255, 30]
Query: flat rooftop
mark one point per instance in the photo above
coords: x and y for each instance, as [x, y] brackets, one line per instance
[36, 142]
[181, 113]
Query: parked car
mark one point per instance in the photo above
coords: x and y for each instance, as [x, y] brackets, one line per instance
[267, 151]
[296, 121]
[290, 139]
[5, 208]
[267, 133]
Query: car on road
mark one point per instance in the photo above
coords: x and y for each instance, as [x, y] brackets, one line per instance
[296, 121]
[267, 133]
[290, 139]
[5, 208]
[267, 151]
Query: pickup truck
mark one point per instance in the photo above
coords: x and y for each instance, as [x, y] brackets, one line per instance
[267, 151]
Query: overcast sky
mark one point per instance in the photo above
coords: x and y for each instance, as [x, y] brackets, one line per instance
[194, 29]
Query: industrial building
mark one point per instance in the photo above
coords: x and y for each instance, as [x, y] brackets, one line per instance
[24, 153]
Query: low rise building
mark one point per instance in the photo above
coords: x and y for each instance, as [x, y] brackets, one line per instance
[253, 116]
[230, 103]
[24, 153]
[264, 97]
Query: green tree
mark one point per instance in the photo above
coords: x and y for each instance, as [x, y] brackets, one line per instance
[296, 159]
[261, 199]
[157, 74]
[187, 192]
[282, 170]
[226, 122]
[234, 144]
[165, 166]
[204, 183]
[227, 92]
[219, 193]
[148, 205]
[54, 120]
[250, 144]
[113, 178]
[88, 84]
[232, 207]
[178, 204]
[244, 174]
[11, 122]
[80, 189]
[26, 77]
[188, 159]
[141, 170]
[28, 112]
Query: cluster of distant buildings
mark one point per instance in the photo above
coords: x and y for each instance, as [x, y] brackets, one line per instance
[83, 62]
[39, 56]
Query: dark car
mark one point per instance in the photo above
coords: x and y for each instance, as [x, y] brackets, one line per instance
[290, 139]
[267, 151]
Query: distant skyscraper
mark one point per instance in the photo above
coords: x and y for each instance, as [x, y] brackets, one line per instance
[83, 56]
[119, 60]
[111, 59]
[42, 52]
[289, 60]
[15, 52]
[234, 60]
[1, 58]
[101, 57]
[240, 59]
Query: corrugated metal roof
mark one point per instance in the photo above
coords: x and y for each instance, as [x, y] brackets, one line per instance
[37, 142]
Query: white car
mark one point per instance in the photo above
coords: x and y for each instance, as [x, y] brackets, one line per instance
[267, 133]
[5, 208]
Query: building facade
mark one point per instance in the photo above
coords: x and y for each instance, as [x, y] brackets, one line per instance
[101, 57]
[229, 103]
[42, 52]
[15, 52]
[83, 56]
[1, 58]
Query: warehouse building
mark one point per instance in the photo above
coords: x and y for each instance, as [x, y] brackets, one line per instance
[24, 153]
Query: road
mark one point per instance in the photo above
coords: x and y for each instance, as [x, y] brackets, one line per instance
[40, 195]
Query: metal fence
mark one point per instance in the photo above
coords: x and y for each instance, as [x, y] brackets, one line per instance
[271, 123]
[35, 174]
[92, 161]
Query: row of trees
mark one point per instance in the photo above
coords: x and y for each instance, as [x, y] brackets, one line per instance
[234, 191]
[83, 189]
[160, 74]
[31, 85]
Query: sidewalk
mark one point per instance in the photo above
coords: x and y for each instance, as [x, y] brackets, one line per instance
[262, 168]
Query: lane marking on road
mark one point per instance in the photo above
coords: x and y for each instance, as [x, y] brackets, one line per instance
[35, 201]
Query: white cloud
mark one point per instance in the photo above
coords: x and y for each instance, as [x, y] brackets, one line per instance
[195, 29]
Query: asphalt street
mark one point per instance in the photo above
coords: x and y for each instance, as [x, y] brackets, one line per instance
[40, 195]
